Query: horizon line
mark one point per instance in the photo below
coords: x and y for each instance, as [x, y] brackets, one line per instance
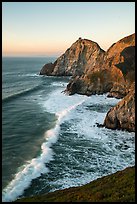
[29, 56]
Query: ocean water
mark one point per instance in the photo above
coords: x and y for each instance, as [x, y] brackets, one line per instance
[50, 141]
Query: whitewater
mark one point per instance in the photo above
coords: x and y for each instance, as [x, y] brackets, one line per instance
[87, 151]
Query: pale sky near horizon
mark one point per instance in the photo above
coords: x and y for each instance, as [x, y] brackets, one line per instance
[49, 28]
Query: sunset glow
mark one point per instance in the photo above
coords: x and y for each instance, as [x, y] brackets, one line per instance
[49, 28]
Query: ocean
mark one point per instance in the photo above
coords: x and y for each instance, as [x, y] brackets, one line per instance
[50, 140]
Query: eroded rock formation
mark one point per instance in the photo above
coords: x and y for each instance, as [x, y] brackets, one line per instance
[47, 69]
[95, 71]
[127, 66]
[122, 116]
[107, 73]
[76, 60]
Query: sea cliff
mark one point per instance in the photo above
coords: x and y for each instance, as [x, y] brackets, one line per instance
[95, 71]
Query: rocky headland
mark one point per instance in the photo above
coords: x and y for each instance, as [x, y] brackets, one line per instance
[76, 60]
[95, 71]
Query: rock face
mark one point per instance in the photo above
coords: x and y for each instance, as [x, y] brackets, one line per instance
[127, 66]
[76, 60]
[107, 73]
[47, 69]
[95, 71]
[122, 116]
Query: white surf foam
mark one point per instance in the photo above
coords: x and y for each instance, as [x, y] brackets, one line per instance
[60, 84]
[107, 150]
[34, 168]
[74, 108]
[29, 171]
[58, 101]
[29, 75]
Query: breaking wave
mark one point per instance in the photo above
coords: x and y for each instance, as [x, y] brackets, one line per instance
[35, 167]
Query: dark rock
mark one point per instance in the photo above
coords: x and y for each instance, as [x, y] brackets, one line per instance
[47, 69]
[118, 90]
[100, 125]
[127, 64]
[122, 116]
[76, 86]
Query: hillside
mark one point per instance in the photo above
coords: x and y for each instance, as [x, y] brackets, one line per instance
[117, 187]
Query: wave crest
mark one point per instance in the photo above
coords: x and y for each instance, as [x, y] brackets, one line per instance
[21, 93]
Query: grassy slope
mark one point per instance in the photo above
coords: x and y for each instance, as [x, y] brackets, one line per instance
[118, 187]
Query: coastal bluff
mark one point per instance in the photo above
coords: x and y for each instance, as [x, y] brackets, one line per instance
[94, 71]
[108, 74]
[117, 187]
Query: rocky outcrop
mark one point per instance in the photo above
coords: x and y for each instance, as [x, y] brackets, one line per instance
[97, 81]
[47, 69]
[107, 74]
[127, 66]
[76, 60]
[114, 52]
[122, 116]
[95, 71]
[118, 90]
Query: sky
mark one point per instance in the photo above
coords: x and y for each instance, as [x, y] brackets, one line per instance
[49, 28]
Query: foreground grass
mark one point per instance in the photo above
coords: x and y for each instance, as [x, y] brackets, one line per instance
[117, 187]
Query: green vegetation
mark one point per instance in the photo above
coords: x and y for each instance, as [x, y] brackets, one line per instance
[117, 187]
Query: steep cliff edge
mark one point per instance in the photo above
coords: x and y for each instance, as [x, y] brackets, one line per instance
[122, 116]
[93, 70]
[116, 76]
